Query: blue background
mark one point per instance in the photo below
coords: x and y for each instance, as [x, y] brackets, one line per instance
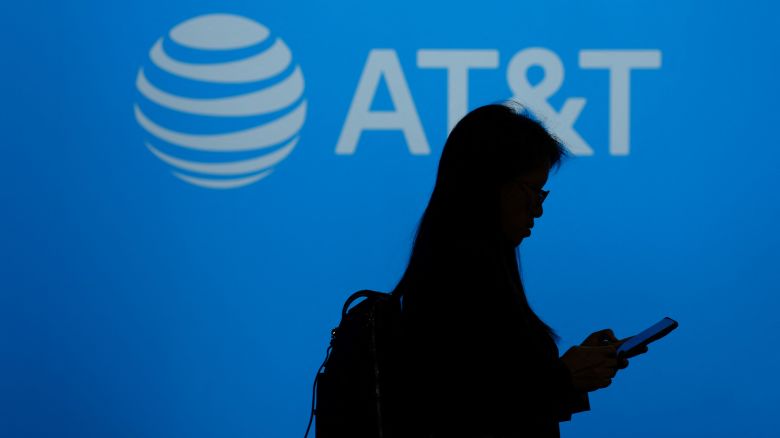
[133, 304]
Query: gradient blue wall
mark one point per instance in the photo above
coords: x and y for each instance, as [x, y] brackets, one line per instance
[135, 304]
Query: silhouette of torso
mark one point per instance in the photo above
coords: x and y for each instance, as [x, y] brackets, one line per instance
[472, 363]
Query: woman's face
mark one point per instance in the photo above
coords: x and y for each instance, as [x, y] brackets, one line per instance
[521, 203]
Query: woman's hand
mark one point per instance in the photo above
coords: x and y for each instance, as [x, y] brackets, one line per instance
[594, 363]
[600, 338]
[607, 337]
[591, 367]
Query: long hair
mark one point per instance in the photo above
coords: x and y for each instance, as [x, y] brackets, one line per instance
[490, 146]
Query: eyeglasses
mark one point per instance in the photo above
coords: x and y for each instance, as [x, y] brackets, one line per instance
[540, 194]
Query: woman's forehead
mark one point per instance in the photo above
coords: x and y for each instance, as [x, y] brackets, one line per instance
[537, 175]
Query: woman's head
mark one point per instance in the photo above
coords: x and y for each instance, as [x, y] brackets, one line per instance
[487, 194]
[490, 177]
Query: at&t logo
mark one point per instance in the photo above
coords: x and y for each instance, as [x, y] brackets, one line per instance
[221, 101]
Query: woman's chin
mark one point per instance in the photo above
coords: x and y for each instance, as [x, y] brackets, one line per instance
[517, 236]
[523, 234]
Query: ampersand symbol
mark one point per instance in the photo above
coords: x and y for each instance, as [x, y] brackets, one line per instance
[535, 96]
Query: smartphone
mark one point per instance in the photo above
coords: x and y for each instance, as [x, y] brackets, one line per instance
[653, 333]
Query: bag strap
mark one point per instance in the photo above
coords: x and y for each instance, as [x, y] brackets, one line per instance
[365, 293]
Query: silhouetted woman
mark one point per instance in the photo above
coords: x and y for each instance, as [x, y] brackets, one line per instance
[477, 361]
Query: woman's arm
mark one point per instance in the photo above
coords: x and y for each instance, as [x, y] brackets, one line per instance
[570, 400]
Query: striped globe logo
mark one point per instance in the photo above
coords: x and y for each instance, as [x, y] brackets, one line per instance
[220, 101]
